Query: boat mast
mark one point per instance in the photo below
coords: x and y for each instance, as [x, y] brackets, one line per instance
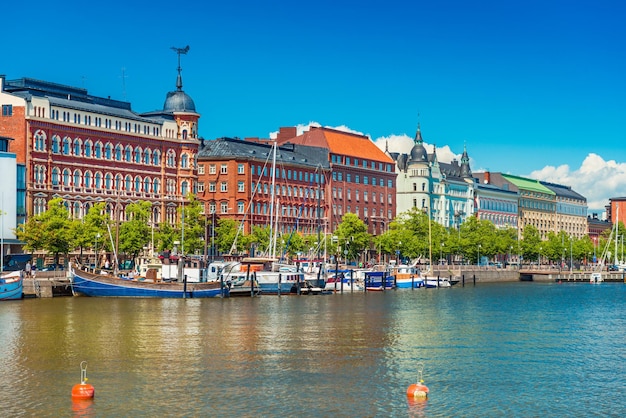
[272, 246]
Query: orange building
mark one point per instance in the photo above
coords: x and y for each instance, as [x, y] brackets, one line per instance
[363, 178]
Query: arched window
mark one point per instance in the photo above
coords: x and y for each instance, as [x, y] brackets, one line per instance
[147, 156]
[66, 146]
[156, 186]
[56, 143]
[88, 147]
[87, 179]
[66, 177]
[146, 185]
[184, 161]
[156, 157]
[77, 178]
[40, 141]
[118, 152]
[118, 182]
[108, 149]
[171, 158]
[76, 210]
[98, 180]
[128, 183]
[137, 184]
[128, 153]
[184, 188]
[77, 146]
[137, 155]
[108, 181]
[98, 150]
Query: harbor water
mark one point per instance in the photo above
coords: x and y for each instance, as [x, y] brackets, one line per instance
[517, 349]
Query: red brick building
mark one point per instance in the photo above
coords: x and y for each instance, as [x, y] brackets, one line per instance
[235, 182]
[363, 178]
[87, 149]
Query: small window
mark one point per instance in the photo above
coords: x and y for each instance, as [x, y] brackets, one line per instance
[7, 110]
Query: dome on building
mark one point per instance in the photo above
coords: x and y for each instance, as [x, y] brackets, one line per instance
[179, 101]
[418, 152]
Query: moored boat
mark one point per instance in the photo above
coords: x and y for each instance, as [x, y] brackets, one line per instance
[378, 281]
[407, 277]
[12, 286]
[88, 283]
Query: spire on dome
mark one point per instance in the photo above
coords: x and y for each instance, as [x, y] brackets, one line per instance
[179, 79]
[465, 167]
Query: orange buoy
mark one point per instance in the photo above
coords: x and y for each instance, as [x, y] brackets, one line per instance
[83, 390]
[419, 389]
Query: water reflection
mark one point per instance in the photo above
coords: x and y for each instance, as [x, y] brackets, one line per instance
[484, 350]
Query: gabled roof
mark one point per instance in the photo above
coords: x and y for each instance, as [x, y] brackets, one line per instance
[342, 143]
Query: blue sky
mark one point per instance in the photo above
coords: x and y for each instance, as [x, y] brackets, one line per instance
[533, 88]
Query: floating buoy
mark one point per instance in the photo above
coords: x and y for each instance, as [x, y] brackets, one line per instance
[83, 390]
[418, 390]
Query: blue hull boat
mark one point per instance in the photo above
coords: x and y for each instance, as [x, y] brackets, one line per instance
[12, 286]
[86, 283]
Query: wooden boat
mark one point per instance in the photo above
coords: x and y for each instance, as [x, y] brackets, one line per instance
[87, 283]
[12, 286]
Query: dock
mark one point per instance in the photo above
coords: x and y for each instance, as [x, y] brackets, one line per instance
[47, 285]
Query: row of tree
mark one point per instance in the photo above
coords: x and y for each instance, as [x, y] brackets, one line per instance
[412, 235]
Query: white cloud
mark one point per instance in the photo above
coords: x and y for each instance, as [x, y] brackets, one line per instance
[596, 179]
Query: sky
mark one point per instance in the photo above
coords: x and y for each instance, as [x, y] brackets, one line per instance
[531, 88]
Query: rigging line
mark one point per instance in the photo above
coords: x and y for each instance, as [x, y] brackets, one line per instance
[299, 215]
[250, 203]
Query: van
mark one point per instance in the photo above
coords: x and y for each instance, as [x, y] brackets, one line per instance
[15, 262]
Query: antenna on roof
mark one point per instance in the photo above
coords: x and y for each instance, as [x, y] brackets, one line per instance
[179, 51]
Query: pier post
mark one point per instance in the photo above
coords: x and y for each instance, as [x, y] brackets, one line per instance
[463, 280]
[474, 280]
[280, 279]
[252, 283]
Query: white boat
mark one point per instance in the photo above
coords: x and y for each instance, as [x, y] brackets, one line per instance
[596, 278]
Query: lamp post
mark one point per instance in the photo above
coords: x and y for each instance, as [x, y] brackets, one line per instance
[571, 257]
[478, 260]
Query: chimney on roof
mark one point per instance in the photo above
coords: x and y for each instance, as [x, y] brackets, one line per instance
[487, 177]
[285, 133]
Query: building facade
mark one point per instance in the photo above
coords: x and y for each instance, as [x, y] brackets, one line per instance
[547, 206]
[444, 190]
[362, 179]
[235, 181]
[87, 149]
[496, 205]
[571, 210]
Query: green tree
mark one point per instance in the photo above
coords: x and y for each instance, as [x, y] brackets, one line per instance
[50, 231]
[135, 232]
[192, 227]
[531, 244]
[352, 236]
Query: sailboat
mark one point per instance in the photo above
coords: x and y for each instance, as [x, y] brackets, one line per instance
[597, 276]
[271, 276]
